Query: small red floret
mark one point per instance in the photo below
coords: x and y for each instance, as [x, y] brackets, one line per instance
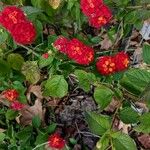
[55, 141]
[45, 55]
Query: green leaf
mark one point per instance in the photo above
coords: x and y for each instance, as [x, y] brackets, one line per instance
[142, 128]
[38, 3]
[45, 62]
[85, 79]
[41, 138]
[73, 141]
[11, 114]
[2, 136]
[3, 36]
[135, 80]
[123, 142]
[56, 86]
[98, 124]
[36, 121]
[31, 71]
[103, 143]
[145, 119]
[128, 115]
[131, 17]
[103, 96]
[144, 125]
[51, 128]
[4, 68]
[29, 10]
[146, 53]
[15, 61]
[25, 134]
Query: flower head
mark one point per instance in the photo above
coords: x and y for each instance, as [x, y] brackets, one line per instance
[121, 61]
[88, 7]
[16, 105]
[106, 65]
[55, 141]
[24, 33]
[101, 17]
[61, 44]
[11, 94]
[45, 55]
[79, 52]
[10, 16]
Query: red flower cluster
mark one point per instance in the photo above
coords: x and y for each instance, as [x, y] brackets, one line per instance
[121, 61]
[108, 65]
[16, 105]
[61, 44]
[55, 141]
[12, 95]
[97, 12]
[75, 50]
[15, 21]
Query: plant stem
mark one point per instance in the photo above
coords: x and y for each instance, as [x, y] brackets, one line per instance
[139, 7]
[40, 145]
[30, 50]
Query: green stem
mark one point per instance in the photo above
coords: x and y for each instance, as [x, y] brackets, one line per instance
[30, 50]
[139, 7]
[40, 145]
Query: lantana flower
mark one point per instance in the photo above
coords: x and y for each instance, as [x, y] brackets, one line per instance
[79, 52]
[56, 141]
[24, 33]
[16, 105]
[14, 20]
[61, 44]
[88, 7]
[97, 12]
[121, 61]
[11, 94]
[101, 17]
[10, 16]
[106, 65]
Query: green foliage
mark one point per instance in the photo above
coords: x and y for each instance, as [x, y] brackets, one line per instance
[56, 86]
[31, 71]
[98, 124]
[15, 61]
[4, 68]
[2, 136]
[85, 79]
[146, 56]
[122, 141]
[103, 96]
[36, 121]
[45, 62]
[144, 124]
[11, 115]
[128, 115]
[135, 80]
[22, 67]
